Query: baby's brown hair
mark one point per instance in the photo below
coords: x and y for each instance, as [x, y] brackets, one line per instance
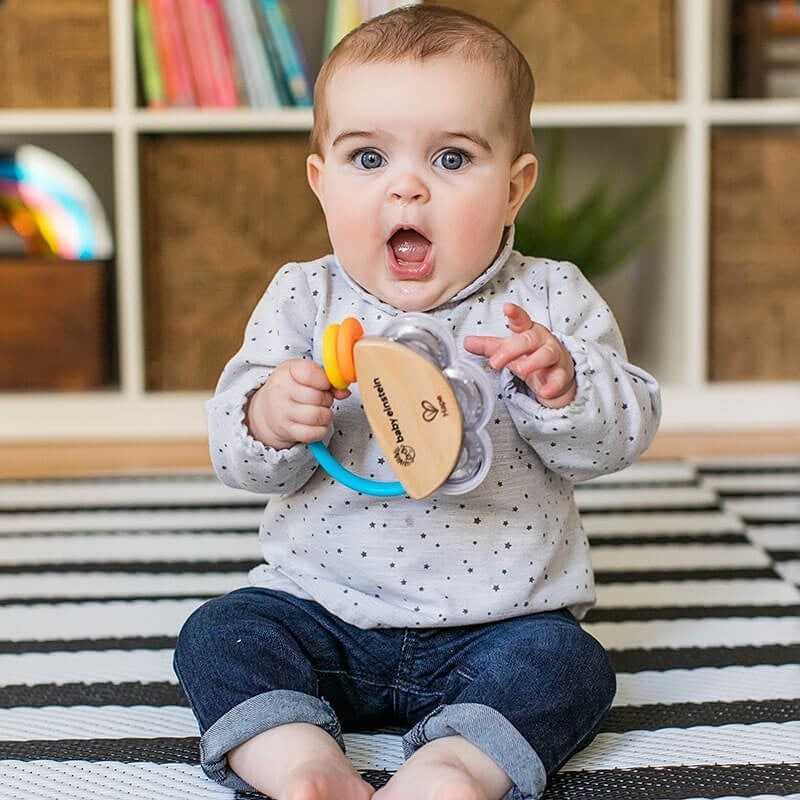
[427, 31]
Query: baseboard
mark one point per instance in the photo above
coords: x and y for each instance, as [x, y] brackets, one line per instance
[36, 459]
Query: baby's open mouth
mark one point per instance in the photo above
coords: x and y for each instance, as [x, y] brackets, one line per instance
[410, 253]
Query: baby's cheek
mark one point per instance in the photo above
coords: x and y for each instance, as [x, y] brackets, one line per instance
[347, 230]
[480, 228]
[343, 229]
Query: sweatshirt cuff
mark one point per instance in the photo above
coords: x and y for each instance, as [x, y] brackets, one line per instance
[521, 399]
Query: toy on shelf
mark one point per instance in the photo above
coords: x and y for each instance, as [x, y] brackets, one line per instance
[427, 409]
[52, 206]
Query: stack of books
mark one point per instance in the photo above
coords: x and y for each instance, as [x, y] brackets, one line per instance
[230, 53]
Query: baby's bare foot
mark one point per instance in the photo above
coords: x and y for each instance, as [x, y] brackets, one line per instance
[451, 768]
[325, 779]
[430, 781]
[298, 762]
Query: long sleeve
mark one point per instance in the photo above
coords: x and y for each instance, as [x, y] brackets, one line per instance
[281, 327]
[616, 410]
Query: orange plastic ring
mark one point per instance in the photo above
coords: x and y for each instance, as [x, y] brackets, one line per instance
[350, 331]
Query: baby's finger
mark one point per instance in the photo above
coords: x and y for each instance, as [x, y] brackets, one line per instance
[558, 381]
[317, 417]
[304, 434]
[543, 358]
[309, 373]
[518, 318]
[512, 348]
[305, 423]
[308, 396]
[482, 345]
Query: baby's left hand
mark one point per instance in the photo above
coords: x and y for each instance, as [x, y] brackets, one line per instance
[533, 354]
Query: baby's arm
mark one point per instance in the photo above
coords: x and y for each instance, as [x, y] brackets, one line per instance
[248, 415]
[609, 416]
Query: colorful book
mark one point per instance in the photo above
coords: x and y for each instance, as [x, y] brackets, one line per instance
[190, 12]
[147, 51]
[343, 16]
[241, 48]
[259, 86]
[274, 66]
[218, 50]
[173, 52]
[289, 50]
[225, 37]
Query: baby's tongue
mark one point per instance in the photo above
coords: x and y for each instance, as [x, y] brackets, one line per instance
[409, 246]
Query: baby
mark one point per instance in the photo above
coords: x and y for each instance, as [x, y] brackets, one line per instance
[456, 618]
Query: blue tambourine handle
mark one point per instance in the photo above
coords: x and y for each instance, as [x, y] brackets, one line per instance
[350, 479]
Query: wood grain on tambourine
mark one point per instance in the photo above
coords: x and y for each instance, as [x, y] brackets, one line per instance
[412, 411]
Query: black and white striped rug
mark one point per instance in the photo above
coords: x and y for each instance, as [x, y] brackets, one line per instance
[698, 571]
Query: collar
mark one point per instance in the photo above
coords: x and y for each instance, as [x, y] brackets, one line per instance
[472, 288]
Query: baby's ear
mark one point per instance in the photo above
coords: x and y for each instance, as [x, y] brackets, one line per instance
[315, 166]
[524, 172]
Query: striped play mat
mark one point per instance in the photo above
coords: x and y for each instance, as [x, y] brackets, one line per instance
[698, 572]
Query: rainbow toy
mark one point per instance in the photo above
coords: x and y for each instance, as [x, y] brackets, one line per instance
[427, 409]
[52, 207]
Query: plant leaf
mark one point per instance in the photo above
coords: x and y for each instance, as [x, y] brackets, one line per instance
[598, 232]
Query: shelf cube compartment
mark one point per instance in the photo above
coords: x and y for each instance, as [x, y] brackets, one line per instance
[55, 54]
[220, 215]
[584, 51]
[54, 325]
[754, 285]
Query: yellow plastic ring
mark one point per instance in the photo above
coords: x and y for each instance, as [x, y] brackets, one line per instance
[350, 331]
[329, 359]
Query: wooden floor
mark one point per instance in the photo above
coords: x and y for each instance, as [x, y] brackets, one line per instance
[65, 459]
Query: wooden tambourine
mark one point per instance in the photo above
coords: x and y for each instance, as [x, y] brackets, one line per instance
[426, 408]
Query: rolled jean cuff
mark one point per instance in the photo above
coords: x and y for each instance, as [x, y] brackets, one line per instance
[256, 715]
[492, 733]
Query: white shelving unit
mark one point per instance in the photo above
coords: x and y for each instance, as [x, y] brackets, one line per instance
[677, 317]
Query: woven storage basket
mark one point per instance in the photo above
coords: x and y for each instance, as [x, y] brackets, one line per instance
[755, 256]
[589, 50]
[54, 54]
[221, 214]
[54, 324]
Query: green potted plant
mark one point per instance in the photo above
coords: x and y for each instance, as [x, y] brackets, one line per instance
[599, 231]
[602, 231]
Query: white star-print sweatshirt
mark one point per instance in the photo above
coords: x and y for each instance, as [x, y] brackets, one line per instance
[515, 544]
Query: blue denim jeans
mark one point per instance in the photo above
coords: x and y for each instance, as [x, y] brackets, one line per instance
[528, 691]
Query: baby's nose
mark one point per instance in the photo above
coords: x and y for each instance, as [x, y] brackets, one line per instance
[408, 188]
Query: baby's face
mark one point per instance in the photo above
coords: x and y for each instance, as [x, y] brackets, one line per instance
[416, 176]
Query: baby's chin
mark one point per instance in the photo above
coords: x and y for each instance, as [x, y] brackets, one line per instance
[416, 296]
[410, 295]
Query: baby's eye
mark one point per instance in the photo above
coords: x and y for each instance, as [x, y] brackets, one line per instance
[368, 159]
[452, 159]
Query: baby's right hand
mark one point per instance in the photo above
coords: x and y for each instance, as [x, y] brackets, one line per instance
[294, 405]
